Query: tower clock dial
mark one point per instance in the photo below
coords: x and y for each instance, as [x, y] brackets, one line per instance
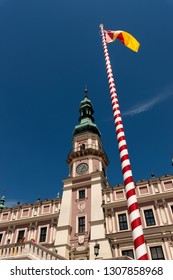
[82, 168]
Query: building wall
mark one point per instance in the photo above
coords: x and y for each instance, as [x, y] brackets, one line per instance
[30, 218]
[102, 214]
[155, 196]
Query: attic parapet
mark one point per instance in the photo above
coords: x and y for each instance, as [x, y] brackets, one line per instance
[29, 211]
[146, 190]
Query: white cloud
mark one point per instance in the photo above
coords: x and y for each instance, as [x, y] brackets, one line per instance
[147, 105]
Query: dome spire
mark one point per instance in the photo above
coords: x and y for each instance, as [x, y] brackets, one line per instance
[86, 119]
[86, 91]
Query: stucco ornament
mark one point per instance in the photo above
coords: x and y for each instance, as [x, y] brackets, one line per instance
[81, 206]
[81, 239]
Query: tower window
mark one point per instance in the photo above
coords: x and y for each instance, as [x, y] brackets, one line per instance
[82, 147]
[81, 224]
[43, 233]
[122, 221]
[20, 235]
[81, 194]
[157, 253]
[149, 217]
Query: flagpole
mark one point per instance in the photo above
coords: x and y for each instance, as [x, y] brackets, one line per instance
[133, 208]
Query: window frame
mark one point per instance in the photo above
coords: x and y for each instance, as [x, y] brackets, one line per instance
[24, 210]
[83, 225]
[157, 253]
[128, 250]
[20, 230]
[5, 215]
[120, 223]
[46, 206]
[77, 194]
[167, 182]
[83, 194]
[148, 219]
[43, 235]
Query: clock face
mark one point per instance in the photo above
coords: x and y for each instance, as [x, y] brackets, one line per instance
[82, 168]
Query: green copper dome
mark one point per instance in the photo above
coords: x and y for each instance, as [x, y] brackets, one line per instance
[86, 119]
[2, 200]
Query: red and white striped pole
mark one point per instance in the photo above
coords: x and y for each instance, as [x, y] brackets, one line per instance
[134, 215]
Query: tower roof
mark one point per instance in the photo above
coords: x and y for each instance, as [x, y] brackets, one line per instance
[86, 119]
[2, 200]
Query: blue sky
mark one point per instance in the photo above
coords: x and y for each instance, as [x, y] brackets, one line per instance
[49, 51]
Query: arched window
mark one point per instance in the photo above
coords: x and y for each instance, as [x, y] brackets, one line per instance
[82, 147]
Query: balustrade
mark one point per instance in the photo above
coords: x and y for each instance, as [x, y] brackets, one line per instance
[29, 250]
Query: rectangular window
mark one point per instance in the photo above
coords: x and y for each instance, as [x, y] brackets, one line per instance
[46, 209]
[168, 185]
[1, 237]
[149, 217]
[143, 190]
[128, 253]
[5, 216]
[81, 224]
[157, 253]
[43, 233]
[25, 213]
[81, 194]
[120, 194]
[122, 221]
[20, 235]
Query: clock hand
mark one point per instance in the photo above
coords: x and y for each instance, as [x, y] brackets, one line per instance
[83, 168]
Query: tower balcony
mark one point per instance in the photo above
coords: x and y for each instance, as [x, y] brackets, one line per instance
[87, 150]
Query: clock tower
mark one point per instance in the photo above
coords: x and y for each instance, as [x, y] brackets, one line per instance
[81, 220]
[87, 155]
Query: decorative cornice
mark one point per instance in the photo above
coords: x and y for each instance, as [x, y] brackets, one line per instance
[141, 182]
[118, 186]
[88, 152]
[166, 177]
